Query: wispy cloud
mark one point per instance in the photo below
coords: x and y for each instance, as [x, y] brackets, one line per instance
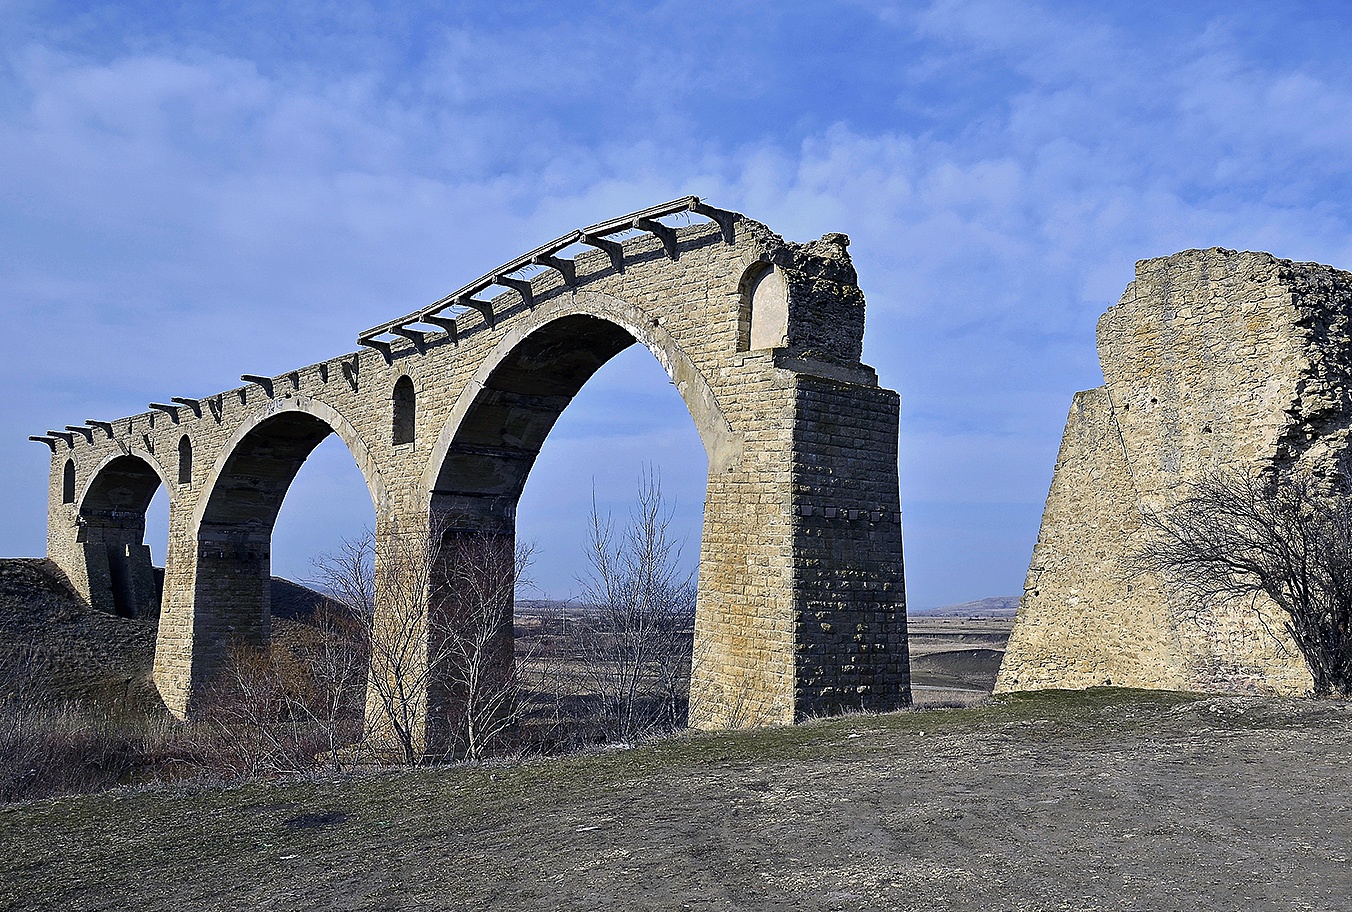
[190, 195]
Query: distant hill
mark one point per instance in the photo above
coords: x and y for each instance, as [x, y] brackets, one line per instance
[996, 606]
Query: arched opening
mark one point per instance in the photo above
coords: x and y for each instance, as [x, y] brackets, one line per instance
[404, 410]
[122, 578]
[326, 505]
[236, 594]
[627, 420]
[68, 482]
[157, 539]
[184, 460]
[764, 321]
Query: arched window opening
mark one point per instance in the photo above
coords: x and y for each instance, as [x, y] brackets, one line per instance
[766, 311]
[68, 482]
[184, 460]
[404, 406]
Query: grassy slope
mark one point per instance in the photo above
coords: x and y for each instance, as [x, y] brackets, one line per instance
[52, 642]
[1106, 800]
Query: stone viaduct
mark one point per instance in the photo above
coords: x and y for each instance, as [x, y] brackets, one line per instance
[1212, 360]
[800, 608]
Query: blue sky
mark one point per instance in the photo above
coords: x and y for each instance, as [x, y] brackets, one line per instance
[189, 192]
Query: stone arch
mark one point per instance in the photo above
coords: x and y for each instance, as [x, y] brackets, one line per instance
[488, 445]
[801, 550]
[121, 482]
[321, 412]
[233, 522]
[587, 329]
[112, 519]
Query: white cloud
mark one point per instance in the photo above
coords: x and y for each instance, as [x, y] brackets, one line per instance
[264, 210]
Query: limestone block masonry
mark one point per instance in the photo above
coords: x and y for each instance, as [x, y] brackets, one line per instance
[1212, 359]
[801, 606]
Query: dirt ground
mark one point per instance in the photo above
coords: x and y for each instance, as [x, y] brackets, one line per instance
[1104, 800]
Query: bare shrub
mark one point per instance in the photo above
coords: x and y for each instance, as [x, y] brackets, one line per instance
[636, 642]
[326, 677]
[474, 597]
[400, 667]
[1286, 540]
[436, 605]
[277, 712]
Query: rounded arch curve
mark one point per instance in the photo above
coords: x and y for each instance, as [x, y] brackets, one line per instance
[508, 407]
[233, 521]
[300, 424]
[122, 480]
[112, 514]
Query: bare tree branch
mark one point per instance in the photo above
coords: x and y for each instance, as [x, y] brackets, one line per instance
[1286, 540]
[437, 607]
[637, 643]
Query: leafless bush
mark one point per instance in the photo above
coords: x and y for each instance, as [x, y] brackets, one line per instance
[437, 609]
[275, 713]
[474, 596]
[281, 712]
[395, 634]
[1285, 540]
[331, 665]
[636, 644]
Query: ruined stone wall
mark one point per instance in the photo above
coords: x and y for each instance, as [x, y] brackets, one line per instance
[801, 425]
[1212, 359]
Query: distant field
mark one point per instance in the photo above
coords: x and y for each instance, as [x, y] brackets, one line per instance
[954, 660]
[955, 650]
[996, 606]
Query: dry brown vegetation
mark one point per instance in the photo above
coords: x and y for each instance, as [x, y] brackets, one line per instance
[78, 712]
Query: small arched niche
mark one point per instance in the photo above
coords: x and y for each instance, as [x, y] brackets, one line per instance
[68, 482]
[184, 460]
[404, 403]
[765, 309]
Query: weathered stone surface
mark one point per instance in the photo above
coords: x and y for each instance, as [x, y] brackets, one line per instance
[1212, 359]
[801, 606]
